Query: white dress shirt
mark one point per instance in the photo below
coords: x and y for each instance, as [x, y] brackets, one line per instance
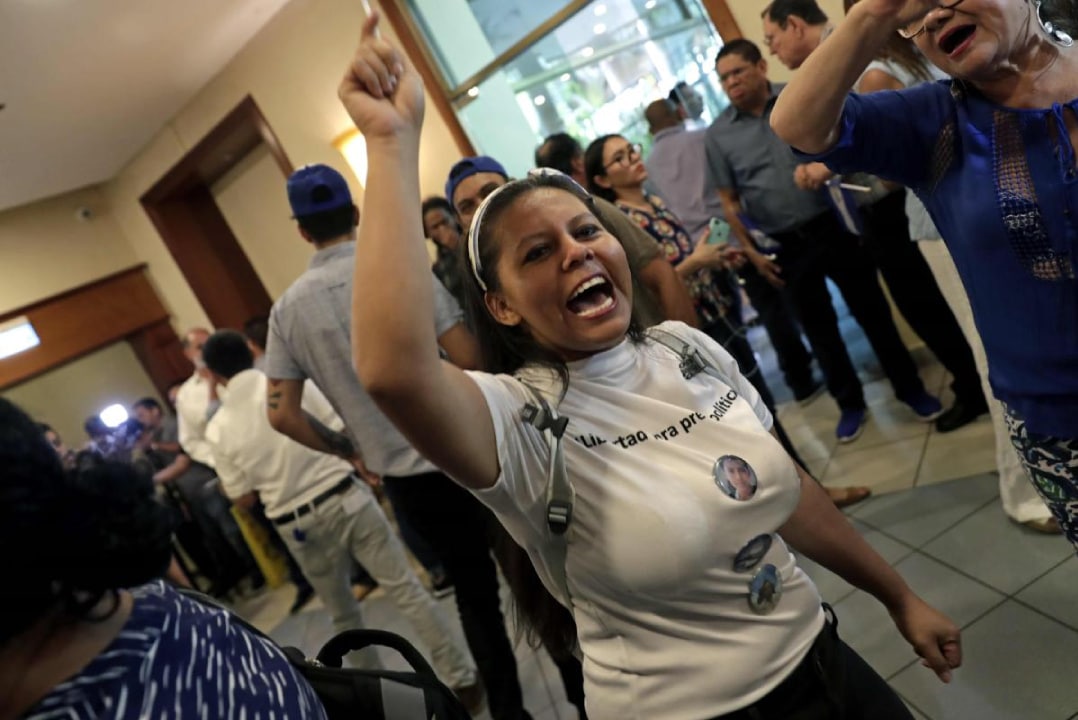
[192, 414]
[251, 455]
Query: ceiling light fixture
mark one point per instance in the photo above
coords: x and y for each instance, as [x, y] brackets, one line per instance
[599, 29]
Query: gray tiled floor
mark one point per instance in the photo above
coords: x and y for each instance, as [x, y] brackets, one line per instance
[1013, 599]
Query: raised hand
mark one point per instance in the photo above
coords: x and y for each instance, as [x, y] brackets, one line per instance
[381, 90]
[900, 12]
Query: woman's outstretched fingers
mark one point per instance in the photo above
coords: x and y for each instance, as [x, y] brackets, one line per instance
[384, 59]
[369, 31]
[379, 90]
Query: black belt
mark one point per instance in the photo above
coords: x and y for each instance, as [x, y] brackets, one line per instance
[305, 508]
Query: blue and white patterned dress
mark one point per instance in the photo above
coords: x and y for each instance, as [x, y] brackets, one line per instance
[176, 658]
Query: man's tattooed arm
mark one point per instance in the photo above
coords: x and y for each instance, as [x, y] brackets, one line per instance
[338, 443]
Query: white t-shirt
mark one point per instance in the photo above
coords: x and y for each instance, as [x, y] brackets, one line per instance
[663, 617]
[192, 411]
[251, 455]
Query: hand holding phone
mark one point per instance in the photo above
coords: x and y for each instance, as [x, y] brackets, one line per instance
[718, 232]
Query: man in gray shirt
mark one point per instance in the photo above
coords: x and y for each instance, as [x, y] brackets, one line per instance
[310, 337]
[678, 169]
[754, 173]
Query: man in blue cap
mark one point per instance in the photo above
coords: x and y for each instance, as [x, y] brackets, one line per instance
[658, 294]
[310, 337]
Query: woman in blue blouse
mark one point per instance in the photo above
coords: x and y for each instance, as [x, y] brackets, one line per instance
[992, 156]
[74, 643]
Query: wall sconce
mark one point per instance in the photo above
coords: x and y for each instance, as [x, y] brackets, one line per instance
[353, 146]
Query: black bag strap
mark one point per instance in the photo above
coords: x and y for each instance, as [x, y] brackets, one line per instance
[559, 494]
[333, 652]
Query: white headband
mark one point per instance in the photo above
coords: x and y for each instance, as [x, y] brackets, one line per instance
[477, 219]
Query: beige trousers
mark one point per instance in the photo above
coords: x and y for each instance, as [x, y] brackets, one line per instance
[1020, 501]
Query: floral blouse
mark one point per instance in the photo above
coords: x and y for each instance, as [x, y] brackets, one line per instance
[710, 290]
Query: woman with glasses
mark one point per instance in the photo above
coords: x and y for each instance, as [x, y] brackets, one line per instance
[992, 156]
[688, 603]
[899, 64]
[616, 173]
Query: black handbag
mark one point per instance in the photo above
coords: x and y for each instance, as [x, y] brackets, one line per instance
[350, 694]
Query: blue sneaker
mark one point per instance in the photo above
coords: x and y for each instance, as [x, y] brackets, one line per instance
[927, 407]
[850, 424]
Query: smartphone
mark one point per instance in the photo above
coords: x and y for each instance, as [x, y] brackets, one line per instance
[719, 233]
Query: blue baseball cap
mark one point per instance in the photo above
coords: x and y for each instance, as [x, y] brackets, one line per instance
[317, 188]
[468, 167]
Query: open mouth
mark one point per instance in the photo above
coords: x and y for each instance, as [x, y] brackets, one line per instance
[956, 38]
[592, 297]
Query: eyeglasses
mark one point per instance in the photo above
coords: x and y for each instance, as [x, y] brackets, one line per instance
[918, 26]
[733, 73]
[624, 157]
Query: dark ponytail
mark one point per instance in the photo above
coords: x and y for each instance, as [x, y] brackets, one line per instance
[593, 166]
[541, 619]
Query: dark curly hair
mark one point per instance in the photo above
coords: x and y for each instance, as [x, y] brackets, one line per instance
[75, 537]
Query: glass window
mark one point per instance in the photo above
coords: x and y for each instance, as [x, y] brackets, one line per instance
[467, 35]
[594, 74]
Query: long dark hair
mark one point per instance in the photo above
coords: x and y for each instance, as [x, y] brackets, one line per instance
[506, 349]
[74, 537]
[540, 619]
[902, 52]
[593, 166]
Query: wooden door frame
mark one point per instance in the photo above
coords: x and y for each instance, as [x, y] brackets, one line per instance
[182, 207]
[123, 306]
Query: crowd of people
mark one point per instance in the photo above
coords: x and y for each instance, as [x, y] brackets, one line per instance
[569, 391]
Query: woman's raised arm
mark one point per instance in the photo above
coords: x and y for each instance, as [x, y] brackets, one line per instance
[394, 345]
[808, 110]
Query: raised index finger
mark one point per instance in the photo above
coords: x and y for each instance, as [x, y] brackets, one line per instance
[370, 25]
